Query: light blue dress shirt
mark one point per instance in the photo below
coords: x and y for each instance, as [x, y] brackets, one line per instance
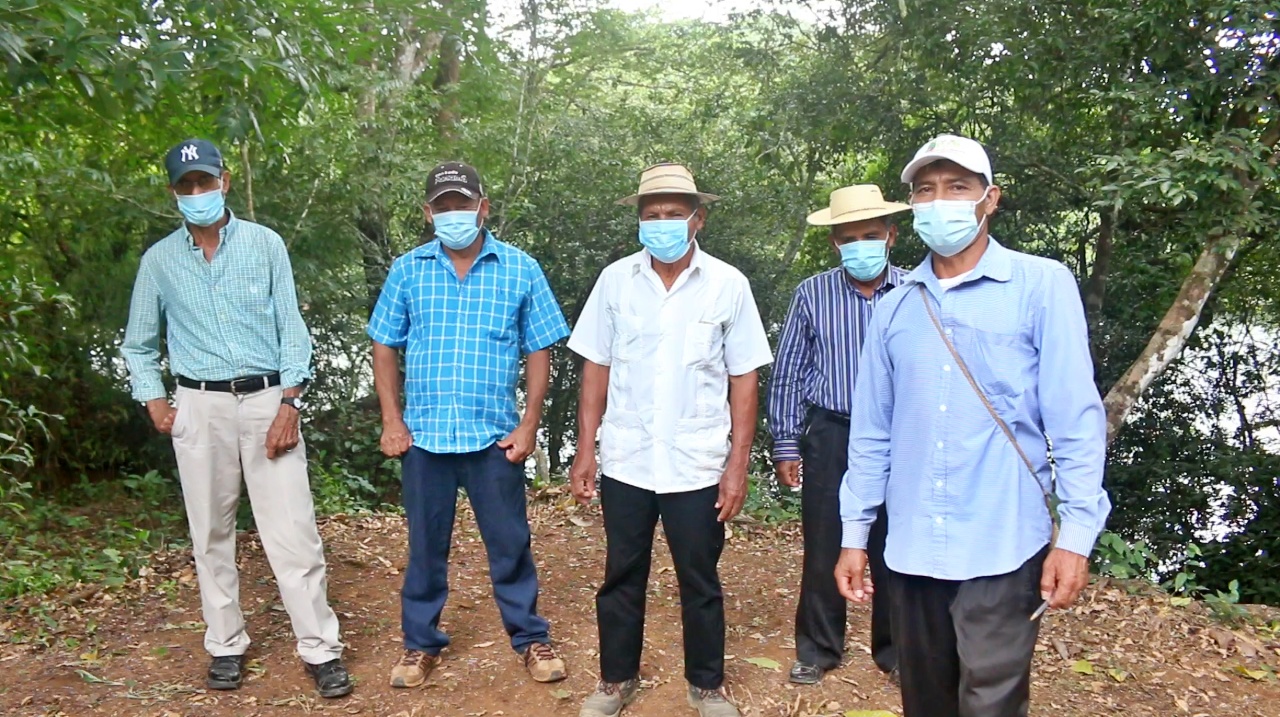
[231, 317]
[960, 501]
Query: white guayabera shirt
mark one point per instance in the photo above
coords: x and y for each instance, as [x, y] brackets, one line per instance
[670, 355]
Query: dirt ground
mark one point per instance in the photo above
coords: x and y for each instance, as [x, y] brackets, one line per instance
[137, 650]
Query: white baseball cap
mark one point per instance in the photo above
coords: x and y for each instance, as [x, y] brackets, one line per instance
[963, 151]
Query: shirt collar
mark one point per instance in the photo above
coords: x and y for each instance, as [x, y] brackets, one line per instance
[223, 234]
[996, 264]
[432, 250]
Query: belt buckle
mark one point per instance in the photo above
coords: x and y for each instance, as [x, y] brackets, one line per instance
[236, 381]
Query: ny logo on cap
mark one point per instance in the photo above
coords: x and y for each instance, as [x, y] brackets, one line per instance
[189, 153]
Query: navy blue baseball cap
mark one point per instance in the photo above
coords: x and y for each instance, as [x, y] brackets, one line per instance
[193, 155]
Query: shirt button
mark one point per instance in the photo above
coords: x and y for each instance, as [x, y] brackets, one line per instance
[948, 332]
[938, 520]
[938, 483]
[947, 368]
[943, 408]
[939, 445]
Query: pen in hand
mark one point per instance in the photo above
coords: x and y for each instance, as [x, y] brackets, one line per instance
[1039, 611]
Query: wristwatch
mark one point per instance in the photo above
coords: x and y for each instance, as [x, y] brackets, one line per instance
[295, 402]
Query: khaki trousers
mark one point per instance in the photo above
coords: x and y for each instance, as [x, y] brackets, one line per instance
[219, 438]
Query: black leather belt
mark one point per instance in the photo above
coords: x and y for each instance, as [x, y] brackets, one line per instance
[237, 386]
[820, 412]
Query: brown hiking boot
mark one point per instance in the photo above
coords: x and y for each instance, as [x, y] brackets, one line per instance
[413, 668]
[609, 698]
[543, 663]
[711, 703]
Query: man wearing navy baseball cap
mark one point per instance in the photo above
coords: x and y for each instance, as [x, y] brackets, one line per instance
[241, 355]
[464, 308]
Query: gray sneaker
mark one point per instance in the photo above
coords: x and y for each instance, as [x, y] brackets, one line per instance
[711, 703]
[609, 699]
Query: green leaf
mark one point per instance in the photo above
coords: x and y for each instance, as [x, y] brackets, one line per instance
[1083, 667]
[1255, 675]
[764, 662]
[1180, 601]
[1117, 674]
[561, 694]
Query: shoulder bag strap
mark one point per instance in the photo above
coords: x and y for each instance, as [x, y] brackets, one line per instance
[1008, 432]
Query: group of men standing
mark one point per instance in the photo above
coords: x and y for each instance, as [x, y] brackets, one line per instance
[912, 409]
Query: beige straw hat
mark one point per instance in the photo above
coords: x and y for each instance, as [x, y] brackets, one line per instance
[666, 179]
[855, 204]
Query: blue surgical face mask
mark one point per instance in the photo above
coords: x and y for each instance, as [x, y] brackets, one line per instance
[203, 209]
[457, 230]
[666, 239]
[948, 226]
[865, 259]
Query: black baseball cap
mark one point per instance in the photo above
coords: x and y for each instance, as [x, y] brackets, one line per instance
[193, 155]
[454, 177]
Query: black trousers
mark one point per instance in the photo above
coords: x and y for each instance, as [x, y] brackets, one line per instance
[965, 647]
[696, 539]
[821, 615]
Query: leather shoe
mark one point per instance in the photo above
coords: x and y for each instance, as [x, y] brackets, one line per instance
[332, 679]
[803, 673]
[226, 672]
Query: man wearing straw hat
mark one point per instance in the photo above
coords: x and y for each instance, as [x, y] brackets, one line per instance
[809, 399]
[672, 341]
[970, 367]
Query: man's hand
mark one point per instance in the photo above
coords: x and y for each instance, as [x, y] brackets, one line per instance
[1065, 575]
[788, 473]
[582, 475]
[851, 578]
[396, 439]
[162, 414]
[283, 435]
[520, 443]
[733, 492]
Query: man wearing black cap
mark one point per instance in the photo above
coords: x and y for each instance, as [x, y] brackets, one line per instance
[464, 307]
[241, 355]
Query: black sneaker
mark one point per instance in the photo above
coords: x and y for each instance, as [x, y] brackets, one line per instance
[226, 673]
[331, 678]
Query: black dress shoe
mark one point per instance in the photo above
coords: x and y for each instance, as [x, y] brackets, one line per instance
[803, 673]
[331, 678]
[226, 673]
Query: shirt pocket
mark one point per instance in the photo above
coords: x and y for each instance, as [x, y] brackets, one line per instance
[628, 338]
[498, 316]
[703, 343]
[1000, 363]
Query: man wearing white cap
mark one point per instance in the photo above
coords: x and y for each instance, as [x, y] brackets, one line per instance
[971, 368]
[672, 341]
[809, 398]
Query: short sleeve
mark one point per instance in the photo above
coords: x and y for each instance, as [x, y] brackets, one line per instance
[541, 321]
[592, 337]
[746, 346]
[389, 324]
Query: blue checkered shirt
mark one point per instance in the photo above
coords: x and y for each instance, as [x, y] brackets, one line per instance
[231, 317]
[463, 340]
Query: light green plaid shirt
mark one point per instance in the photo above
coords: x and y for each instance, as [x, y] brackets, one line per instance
[231, 317]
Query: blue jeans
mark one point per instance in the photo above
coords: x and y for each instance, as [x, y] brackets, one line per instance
[495, 487]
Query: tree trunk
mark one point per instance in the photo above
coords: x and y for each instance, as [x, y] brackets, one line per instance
[1171, 335]
[447, 75]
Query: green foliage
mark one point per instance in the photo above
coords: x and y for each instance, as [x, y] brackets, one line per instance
[769, 502]
[1116, 558]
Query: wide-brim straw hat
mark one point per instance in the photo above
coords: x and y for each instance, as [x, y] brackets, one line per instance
[667, 179]
[855, 204]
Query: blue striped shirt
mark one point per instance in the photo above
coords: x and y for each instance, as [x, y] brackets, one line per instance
[234, 316]
[818, 353]
[960, 502]
[463, 340]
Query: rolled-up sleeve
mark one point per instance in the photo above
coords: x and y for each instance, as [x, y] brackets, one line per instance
[863, 489]
[141, 347]
[1072, 412]
[795, 358]
[295, 340]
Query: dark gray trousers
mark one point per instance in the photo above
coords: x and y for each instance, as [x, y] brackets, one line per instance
[965, 647]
